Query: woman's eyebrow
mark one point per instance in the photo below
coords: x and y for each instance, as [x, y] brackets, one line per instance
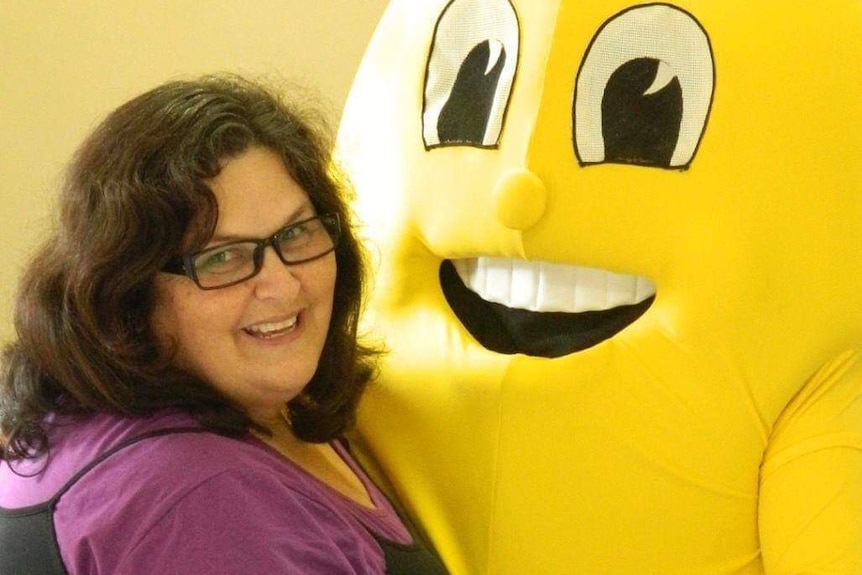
[303, 212]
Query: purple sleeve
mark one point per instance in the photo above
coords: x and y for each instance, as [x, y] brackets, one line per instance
[248, 523]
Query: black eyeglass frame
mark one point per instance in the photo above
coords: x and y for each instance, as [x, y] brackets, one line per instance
[184, 265]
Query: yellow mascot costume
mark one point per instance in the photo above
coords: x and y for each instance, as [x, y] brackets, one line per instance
[619, 274]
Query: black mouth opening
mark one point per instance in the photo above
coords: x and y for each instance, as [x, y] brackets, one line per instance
[508, 330]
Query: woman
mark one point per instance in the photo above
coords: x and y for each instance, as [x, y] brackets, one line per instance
[186, 359]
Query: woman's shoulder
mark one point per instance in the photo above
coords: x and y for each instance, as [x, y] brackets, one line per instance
[182, 484]
[170, 451]
[236, 521]
[75, 444]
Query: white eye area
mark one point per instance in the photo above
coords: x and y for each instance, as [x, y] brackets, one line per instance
[496, 52]
[644, 90]
[664, 76]
[470, 71]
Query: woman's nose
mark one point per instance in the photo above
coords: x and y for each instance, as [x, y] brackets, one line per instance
[521, 198]
[275, 279]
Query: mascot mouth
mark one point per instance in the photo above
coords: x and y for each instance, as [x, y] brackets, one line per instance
[541, 309]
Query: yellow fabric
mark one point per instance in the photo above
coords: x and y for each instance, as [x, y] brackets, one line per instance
[721, 432]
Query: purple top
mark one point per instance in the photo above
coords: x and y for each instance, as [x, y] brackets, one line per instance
[196, 503]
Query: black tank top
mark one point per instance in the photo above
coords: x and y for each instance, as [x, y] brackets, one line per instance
[28, 542]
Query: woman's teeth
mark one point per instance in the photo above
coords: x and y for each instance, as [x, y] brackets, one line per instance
[271, 329]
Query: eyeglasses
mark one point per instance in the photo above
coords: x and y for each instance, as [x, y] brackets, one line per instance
[234, 262]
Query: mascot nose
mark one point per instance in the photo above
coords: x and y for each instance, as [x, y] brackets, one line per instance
[521, 198]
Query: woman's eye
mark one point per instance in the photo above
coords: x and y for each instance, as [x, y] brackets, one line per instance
[223, 260]
[294, 233]
[219, 257]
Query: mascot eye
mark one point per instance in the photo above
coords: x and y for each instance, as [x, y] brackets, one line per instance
[469, 75]
[644, 90]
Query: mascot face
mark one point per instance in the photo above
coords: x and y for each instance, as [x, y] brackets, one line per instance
[617, 251]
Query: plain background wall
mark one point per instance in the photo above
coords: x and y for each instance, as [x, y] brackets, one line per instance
[64, 65]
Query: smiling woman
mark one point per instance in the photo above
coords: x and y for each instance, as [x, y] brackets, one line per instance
[180, 387]
[257, 340]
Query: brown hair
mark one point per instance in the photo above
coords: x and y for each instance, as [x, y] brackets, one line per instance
[134, 198]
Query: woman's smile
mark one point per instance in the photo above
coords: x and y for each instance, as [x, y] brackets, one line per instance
[272, 329]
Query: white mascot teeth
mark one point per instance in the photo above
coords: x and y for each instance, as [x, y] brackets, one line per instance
[548, 287]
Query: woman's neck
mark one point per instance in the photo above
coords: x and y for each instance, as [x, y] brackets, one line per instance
[319, 460]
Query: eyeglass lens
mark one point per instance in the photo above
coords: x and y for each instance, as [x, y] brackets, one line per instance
[237, 261]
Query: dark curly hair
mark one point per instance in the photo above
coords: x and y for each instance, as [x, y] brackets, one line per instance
[134, 198]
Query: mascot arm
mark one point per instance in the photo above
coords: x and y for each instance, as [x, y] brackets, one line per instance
[811, 479]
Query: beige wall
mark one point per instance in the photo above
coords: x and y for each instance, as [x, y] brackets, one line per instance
[63, 65]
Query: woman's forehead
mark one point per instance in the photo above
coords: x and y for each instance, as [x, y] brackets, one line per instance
[256, 196]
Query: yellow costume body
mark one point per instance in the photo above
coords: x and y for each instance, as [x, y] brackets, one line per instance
[663, 206]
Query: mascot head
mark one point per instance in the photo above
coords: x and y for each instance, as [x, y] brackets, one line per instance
[617, 250]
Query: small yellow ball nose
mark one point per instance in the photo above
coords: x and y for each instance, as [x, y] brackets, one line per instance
[521, 198]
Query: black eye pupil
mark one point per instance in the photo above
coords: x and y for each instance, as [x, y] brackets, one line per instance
[466, 114]
[639, 127]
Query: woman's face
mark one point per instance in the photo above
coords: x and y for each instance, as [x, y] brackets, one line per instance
[259, 341]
